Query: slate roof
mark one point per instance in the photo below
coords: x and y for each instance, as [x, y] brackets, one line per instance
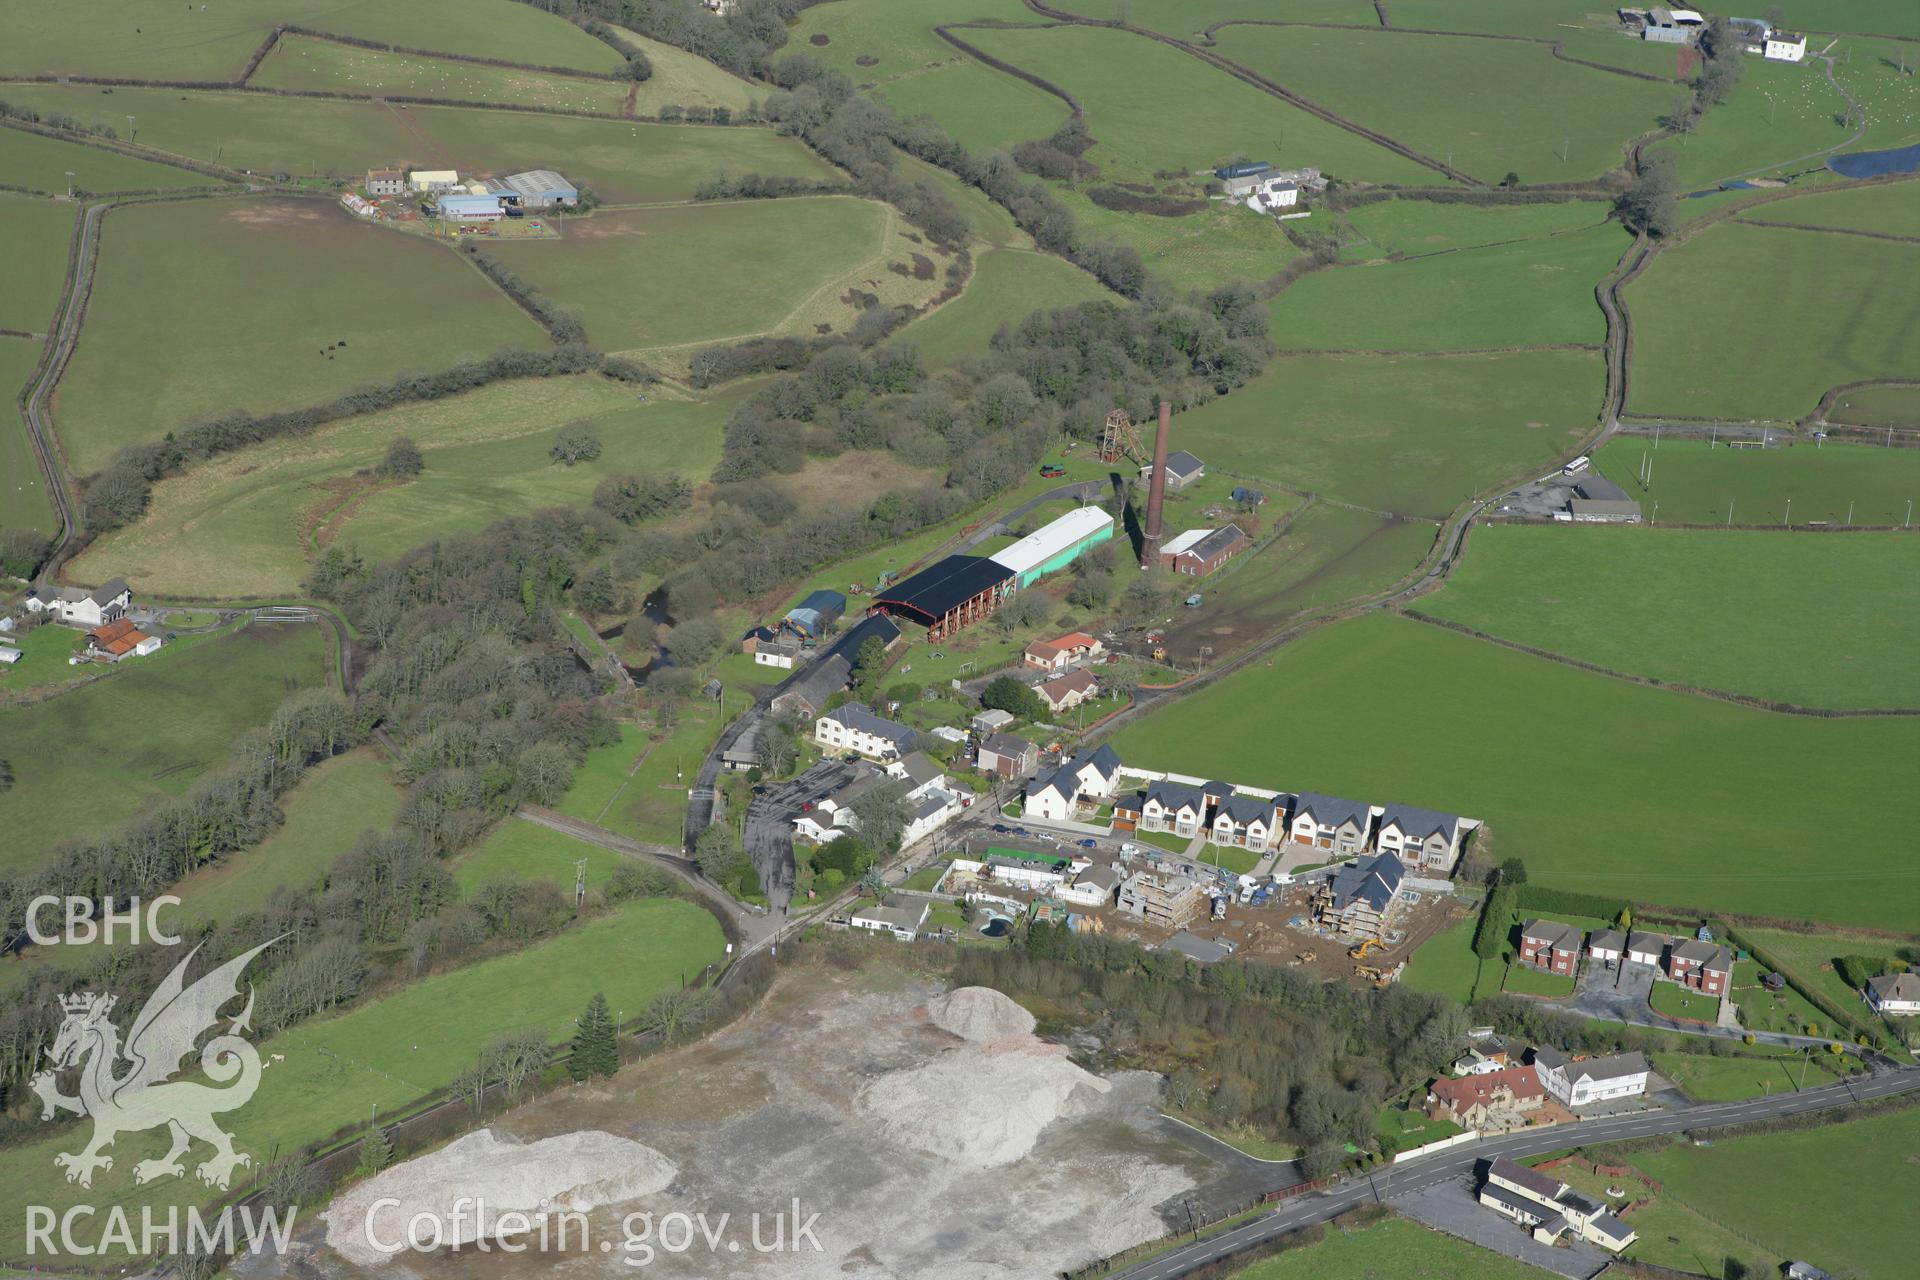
[1373, 882]
[1599, 489]
[859, 716]
[895, 912]
[1611, 1227]
[1895, 986]
[1421, 823]
[108, 591]
[1176, 795]
[1608, 940]
[1611, 1067]
[1102, 758]
[1060, 686]
[1642, 940]
[920, 770]
[1241, 810]
[1006, 744]
[1562, 937]
[814, 684]
[1183, 464]
[1332, 811]
[1515, 1203]
[1540, 1184]
[1217, 542]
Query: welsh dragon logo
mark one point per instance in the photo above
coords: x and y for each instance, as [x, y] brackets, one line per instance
[127, 1088]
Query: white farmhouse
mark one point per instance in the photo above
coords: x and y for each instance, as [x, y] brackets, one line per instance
[106, 603]
[1589, 1080]
[854, 727]
[1784, 46]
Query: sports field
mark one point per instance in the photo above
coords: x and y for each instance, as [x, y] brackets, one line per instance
[42, 163]
[325, 814]
[1495, 106]
[1697, 482]
[1709, 337]
[522, 852]
[36, 233]
[1224, 241]
[247, 523]
[23, 495]
[1007, 285]
[1398, 1248]
[1822, 622]
[1838, 1192]
[106, 749]
[1429, 226]
[391, 1051]
[1890, 210]
[301, 62]
[1415, 435]
[1197, 116]
[206, 306]
[159, 40]
[655, 278]
[1597, 783]
[1532, 293]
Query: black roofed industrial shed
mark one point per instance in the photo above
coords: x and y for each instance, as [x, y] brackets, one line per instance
[949, 594]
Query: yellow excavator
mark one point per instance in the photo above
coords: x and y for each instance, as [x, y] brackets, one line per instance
[1359, 950]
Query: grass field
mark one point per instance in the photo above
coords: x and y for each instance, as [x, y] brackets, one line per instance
[658, 278]
[1695, 481]
[1822, 622]
[1430, 226]
[1835, 1193]
[34, 267]
[1225, 241]
[1397, 1248]
[638, 786]
[1495, 106]
[1778, 112]
[1526, 980]
[1534, 293]
[209, 306]
[391, 1051]
[1890, 210]
[1590, 780]
[686, 79]
[1415, 435]
[1708, 341]
[158, 40]
[1757, 1073]
[300, 62]
[1185, 18]
[978, 106]
[623, 161]
[1879, 407]
[106, 750]
[1006, 286]
[521, 851]
[23, 493]
[486, 458]
[1446, 965]
[1807, 958]
[1676, 1001]
[43, 662]
[42, 163]
[1197, 115]
[991, 224]
[1785, 1011]
[333, 804]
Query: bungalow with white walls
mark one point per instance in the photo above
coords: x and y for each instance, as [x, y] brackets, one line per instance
[1894, 993]
[901, 917]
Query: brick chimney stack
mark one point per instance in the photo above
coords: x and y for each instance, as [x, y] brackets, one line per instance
[1156, 491]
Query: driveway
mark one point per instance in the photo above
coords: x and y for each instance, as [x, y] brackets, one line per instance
[1621, 996]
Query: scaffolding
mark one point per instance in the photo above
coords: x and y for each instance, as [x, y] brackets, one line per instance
[1121, 440]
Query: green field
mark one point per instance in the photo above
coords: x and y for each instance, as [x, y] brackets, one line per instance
[1196, 117]
[1707, 330]
[1777, 113]
[1495, 106]
[1824, 622]
[1397, 1249]
[1837, 1193]
[42, 163]
[521, 851]
[1534, 293]
[1186, 18]
[105, 750]
[1416, 435]
[1225, 241]
[655, 278]
[486, 458]
[1524, 979]
[159, 40]
[1756, 1073]
[43, 663]
[1007, 285]
[390, 1051]
[990, 223]
[1596, 783]
[334, 803]
[1890, 210]
[1879, 407]
[34, 268]
[1676, 1001]
[1695, 481]
[208, 306]
[686, 79]
[623, 161]
[1430, 226]
[638, 786]
[23, 494]
[1446, 965]
[303, 63]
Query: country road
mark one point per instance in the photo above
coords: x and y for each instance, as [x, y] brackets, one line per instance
[34, 397]
[1443, 1166]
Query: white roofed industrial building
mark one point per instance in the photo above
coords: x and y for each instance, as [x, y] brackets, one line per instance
[1056, 545]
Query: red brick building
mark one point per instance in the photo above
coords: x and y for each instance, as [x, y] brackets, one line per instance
[1550, 945]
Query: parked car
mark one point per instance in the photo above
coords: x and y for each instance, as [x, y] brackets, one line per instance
[999, 828]
[1089, 843]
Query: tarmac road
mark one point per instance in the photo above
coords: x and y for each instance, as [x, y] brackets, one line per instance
[1420, 1173]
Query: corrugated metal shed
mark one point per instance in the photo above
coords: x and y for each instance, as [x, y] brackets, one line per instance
[1056, 544]
[540, 187]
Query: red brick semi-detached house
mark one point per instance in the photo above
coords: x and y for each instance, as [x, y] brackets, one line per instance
[1705, 967]
[1551, 945]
